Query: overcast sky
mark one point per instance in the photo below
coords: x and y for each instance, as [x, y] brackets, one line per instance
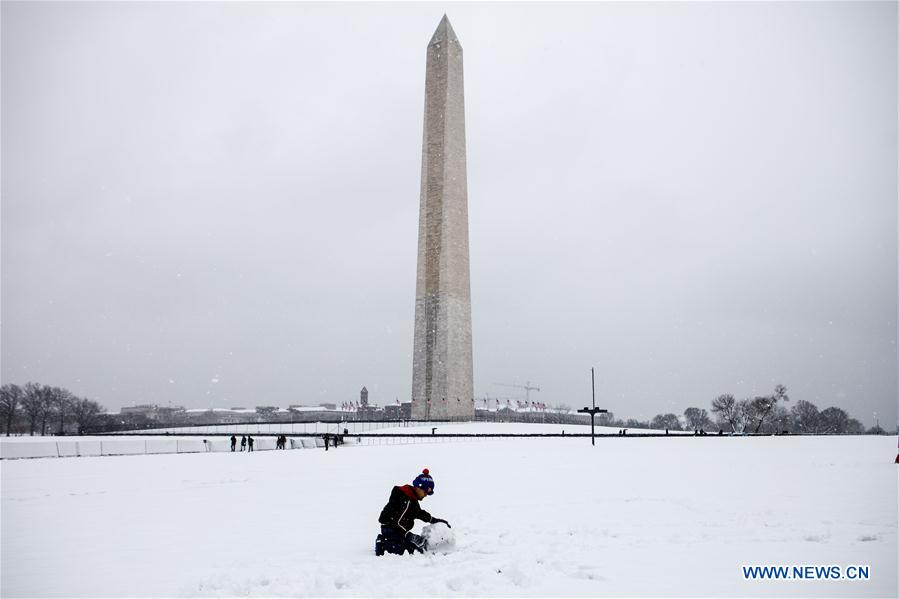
[216, 204]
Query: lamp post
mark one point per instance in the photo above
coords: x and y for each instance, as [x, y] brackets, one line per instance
[592, 411]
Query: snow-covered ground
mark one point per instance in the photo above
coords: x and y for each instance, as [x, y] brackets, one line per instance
[531, 517]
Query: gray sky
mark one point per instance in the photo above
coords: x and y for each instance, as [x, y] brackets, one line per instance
[217, 204]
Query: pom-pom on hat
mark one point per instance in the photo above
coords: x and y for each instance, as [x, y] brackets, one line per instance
[424, 482]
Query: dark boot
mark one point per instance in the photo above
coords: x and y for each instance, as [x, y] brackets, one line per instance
[415, 543]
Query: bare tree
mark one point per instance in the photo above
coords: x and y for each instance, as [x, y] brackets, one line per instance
[727, 411]
[805, 417]
[697, 418]
[666, 421]
[755, 409]
[61, 404]
[85, 413]
[46, 407]
[834, 420]
[10, 398]
[33, 404]
[778, 421]
[761, 407]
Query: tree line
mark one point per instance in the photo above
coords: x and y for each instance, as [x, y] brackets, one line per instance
[764, 414]
[42, 409]
[768, 414]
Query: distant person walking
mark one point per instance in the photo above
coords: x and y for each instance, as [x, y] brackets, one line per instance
[243, 443]
[250, 441]
[233, 442]
[327, 441]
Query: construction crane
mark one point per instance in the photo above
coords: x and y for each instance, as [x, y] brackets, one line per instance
[527, 389]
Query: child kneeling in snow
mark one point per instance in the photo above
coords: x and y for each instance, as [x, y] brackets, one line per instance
[399, 515]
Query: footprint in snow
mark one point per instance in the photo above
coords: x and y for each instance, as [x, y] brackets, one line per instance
[813, 538]
[588, 572]
[341, 583]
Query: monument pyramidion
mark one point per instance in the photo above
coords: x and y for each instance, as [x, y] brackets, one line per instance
[441, 360]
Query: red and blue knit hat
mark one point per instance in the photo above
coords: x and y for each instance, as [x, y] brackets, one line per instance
[424, 482]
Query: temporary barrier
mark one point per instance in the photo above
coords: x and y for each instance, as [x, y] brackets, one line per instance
[133, 444]
[352, 427]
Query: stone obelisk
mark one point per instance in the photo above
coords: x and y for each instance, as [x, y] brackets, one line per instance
[441, 362]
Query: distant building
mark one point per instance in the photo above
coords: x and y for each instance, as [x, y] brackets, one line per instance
[398, 411]
[171, 413]
[148, 410]
[220, 415]
[155, 412]
[366, 411]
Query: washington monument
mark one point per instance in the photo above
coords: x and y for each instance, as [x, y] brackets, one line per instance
[441, 360]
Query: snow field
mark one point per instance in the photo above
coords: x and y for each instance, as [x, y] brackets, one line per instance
[531, 517]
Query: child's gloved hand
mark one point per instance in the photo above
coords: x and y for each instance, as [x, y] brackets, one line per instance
[436, 520]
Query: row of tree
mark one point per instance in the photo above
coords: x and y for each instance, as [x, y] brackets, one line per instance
[36, 408]
[768, 414]
[765, 414]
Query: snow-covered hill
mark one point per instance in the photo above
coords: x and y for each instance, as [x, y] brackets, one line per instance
[531, 517]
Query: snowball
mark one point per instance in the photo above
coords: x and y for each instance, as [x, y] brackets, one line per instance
[439, 536]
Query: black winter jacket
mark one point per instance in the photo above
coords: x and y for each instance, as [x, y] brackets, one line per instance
[402, 509]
